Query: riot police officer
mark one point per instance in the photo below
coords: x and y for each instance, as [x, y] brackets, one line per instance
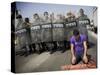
[70, 17]
[19, 20]
[68, 32]
[83, 28]
[37, 21]
[52, 17]
[82, 16]
[18, 25]
[46, 18]
[28, 40]
[60, 18]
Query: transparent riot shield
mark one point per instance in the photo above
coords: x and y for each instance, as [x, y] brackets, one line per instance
[21, 38]
[69, 27]
[46, 33]
[36, 34]
[82, 26]
[58, 32]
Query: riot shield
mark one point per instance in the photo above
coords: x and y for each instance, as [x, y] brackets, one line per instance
[21, 35]
[69, 27]
[36, 34]
[58, 32]
[46, 33]
[82, 26]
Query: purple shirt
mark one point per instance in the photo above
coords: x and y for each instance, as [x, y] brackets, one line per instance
[78, 45]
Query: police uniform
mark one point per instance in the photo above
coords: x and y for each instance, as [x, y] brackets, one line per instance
[46, 34]
[28, 36]
[82, 28]
[36, 35]
[18, 25]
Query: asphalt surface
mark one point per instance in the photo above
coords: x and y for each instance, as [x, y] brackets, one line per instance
[51, 62]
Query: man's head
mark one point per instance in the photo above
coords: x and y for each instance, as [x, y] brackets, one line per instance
[27, 20]
[76, 34]
[81, 12]
[19, 17]
[36, 16]
[46, 14]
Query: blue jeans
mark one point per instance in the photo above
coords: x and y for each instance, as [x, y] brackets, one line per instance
[79, 56]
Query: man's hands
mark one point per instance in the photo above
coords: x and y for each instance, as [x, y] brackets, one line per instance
[73, 60]
[73, 55]
[85, 59]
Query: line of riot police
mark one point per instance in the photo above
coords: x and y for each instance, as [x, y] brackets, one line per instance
[48, 33]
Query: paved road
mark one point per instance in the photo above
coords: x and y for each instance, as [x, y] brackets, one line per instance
[50, 62]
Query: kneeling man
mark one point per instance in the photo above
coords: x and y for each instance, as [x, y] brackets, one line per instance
[78, 47]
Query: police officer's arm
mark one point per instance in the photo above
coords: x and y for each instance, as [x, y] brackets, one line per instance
[72, 50]
[85, 47]
[29, 24]
[23, 25]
